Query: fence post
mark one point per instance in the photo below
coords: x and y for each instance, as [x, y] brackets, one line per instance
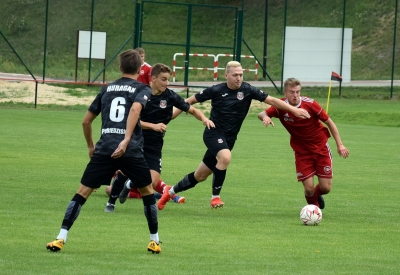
[240, 37]
[394, 48]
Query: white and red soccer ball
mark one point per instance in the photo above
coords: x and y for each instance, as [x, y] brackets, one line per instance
[311, 215]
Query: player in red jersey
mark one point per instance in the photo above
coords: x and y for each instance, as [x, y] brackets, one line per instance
[135, 194]
[145, 69]
[309, 140]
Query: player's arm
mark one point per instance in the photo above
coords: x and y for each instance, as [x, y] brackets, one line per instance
[200, 116]
[87, 131]
[191, 100]
[341, 149]
[266, 120]
[157, 127]
[131, 122]
[279, 104]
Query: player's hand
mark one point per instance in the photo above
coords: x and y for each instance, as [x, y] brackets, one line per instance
[267, 121]
[301, 113]
[208, 123]
[343, 152]
[160, 127]
[121, 149]
[91, 151]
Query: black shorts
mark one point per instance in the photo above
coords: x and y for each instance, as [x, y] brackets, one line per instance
[153, 153]
[101, 168]
[215, 141]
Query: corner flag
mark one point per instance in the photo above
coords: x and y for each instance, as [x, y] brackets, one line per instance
[334, 77]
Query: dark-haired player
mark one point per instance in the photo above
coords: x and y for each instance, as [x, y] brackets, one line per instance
[119, 147]
[154, 119]
[309, 140]
[230, 102]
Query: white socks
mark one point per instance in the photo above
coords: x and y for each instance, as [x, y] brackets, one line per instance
[171, 191]
[154, 237]
[63, 235]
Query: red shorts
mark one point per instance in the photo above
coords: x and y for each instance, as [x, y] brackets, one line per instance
[308, 165]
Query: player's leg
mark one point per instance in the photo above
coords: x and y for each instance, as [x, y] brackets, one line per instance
[71, 214]
[150, 212]
[108, 190]
[116, 188]
[188, 181]
[139, 174]
[159, 186]
[91, 179]
[134, 194]
[309, 191]
[324, 173]
[219, 171]
[305, 171]
[322, 188]
[217, 159]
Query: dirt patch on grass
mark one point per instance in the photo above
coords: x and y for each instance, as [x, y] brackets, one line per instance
[24, 92]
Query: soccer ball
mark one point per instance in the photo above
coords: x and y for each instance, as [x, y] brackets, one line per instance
[310, 215]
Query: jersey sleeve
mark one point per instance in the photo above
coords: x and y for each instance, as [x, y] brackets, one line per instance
[322, 115]
[272, 112]
[180, 103]
[258, 94]
[95, 107]
[143, 95]
[204, 95]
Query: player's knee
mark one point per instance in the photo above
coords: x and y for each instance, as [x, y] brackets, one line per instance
[224, 158]
[225, 161]
[108, 190]
[200, 176]
[147, 190]
[325, 189]
[325, 185]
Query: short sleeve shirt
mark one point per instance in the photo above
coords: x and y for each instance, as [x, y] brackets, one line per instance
[306, 135]
[230, 107]
[114, 103]
[160, 109]
[145, 74]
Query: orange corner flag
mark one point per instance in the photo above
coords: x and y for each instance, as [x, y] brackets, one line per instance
[336, 77]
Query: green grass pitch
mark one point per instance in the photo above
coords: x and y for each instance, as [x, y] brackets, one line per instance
[43, 154]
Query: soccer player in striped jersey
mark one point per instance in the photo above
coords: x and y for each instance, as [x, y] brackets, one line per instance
[119, 147]
[230, 103]
[309, 140]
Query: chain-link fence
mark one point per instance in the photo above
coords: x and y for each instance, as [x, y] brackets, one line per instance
[40, 37]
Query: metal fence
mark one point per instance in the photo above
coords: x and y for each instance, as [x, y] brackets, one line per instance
[39, 37]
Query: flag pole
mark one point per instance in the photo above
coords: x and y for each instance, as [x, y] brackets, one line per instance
[329, 96]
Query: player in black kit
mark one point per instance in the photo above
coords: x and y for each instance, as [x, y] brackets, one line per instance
[230, 103]
[154, 119]
[119, 147]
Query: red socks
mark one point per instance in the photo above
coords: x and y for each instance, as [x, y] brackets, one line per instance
[314, 198]
[160, 186]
